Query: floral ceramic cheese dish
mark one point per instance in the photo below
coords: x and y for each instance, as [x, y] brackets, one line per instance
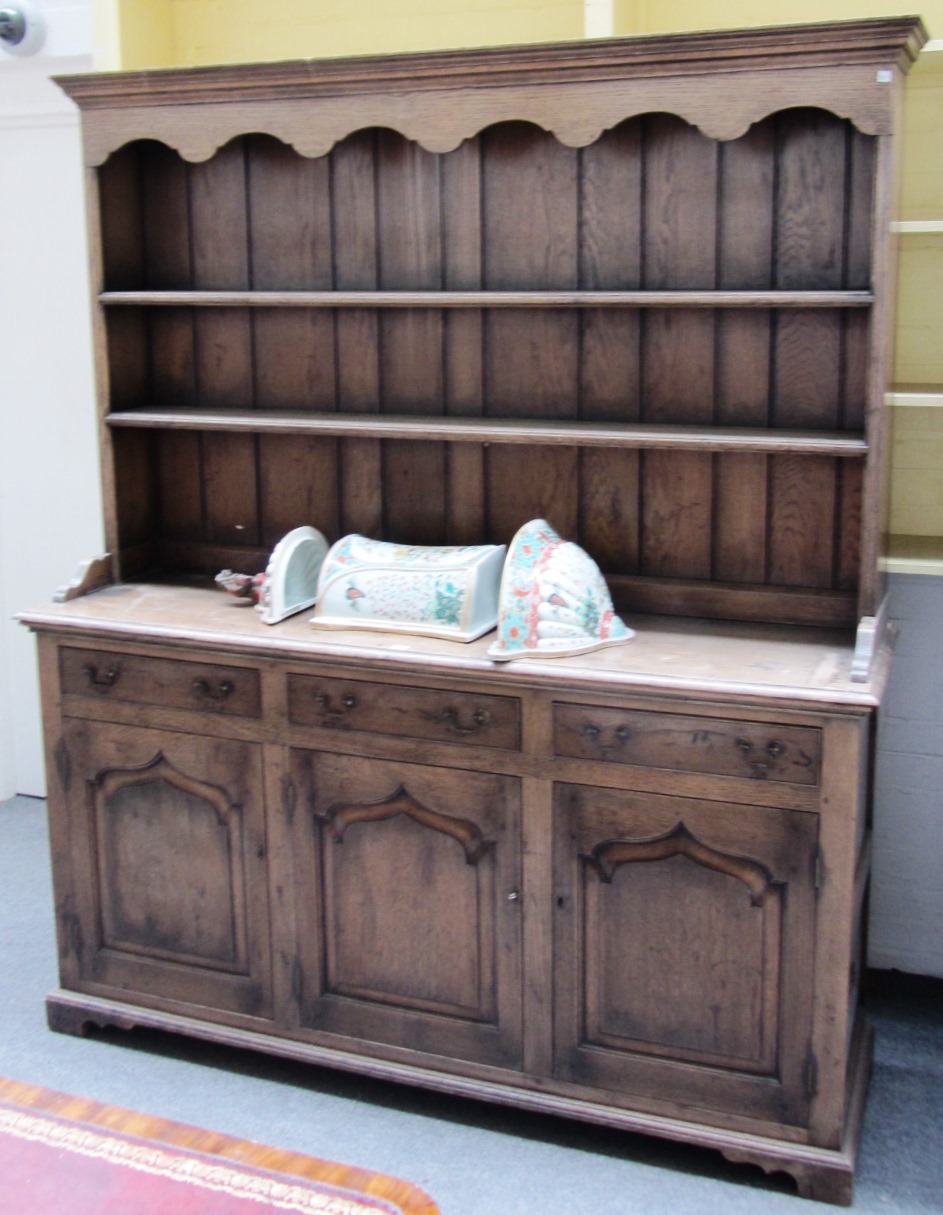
[553, 599]
[440, 591]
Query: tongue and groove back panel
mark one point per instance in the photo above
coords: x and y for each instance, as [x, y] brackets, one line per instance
[728, 474]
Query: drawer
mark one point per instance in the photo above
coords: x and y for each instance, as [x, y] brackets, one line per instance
[168, 683]
[346, 704]
[755, 750]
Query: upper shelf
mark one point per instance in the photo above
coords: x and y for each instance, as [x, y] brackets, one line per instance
[497, 430]
[918, 227]
[925, 396]
[491, 299]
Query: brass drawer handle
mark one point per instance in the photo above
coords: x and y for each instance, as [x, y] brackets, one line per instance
[480, 717]
[222, 691]
[760, 767]
[348, 702]
[774, 748]
[621, 735]
[102, 682]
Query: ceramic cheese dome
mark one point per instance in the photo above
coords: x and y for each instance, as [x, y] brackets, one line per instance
[553, 599]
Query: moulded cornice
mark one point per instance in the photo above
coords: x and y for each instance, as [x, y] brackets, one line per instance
[721, 82]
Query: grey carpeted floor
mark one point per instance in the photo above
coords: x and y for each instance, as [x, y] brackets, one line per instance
[473, 1159]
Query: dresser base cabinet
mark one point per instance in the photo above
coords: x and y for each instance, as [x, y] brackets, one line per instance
[631, 905]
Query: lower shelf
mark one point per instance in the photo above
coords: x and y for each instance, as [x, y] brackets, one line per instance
[821, 1174]
[914, 555]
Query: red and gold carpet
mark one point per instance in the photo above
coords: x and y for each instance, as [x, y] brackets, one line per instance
[62, 1153]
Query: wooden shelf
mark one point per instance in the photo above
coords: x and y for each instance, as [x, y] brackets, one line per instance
[918, 227]
[914, 555]
[497, 430]
[925, 396]
[489, 299]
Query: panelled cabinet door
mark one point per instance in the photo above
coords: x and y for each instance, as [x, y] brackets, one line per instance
[169, 845]
[683, 950]
[406, 889]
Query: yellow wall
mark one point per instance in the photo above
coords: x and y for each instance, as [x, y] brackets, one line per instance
[163, 33]
[663, 16]
[187, 33]
[132, 34]
[150, 36]
[917, 487]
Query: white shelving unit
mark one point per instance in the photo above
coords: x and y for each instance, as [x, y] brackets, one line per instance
[920, 230]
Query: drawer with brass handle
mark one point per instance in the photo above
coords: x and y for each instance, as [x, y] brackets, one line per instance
[163, 682]
[432, 713]
[710, 745]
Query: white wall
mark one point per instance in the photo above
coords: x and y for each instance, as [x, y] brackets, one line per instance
[906, 885]
[50, 506]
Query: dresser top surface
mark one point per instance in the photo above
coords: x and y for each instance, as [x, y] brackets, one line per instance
[719, 659]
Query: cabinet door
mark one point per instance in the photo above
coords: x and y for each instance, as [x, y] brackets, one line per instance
[683, 952]
[168, 853]
[407, 906]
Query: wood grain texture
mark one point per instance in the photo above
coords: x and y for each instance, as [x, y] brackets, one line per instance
[745, 261]
[530, 212]
[802, 504]
[612, 1027]
[353, 201]
[298, 485]
[119, 207]
[677, 514]
[500, 431]
[741, 527]
[436, 975]
[549, 490]
[354, 224]
[290, 246]
[680, 221]
[230, 483]
[159, 800]
[132, 348]
[170, 360]
[134, 494]
[509, 298]
[166, 226]
[180, 470]
[674, 55]
[219, 237]
[721, 81]
[609, 507]
[91, 575]
[409, 227]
